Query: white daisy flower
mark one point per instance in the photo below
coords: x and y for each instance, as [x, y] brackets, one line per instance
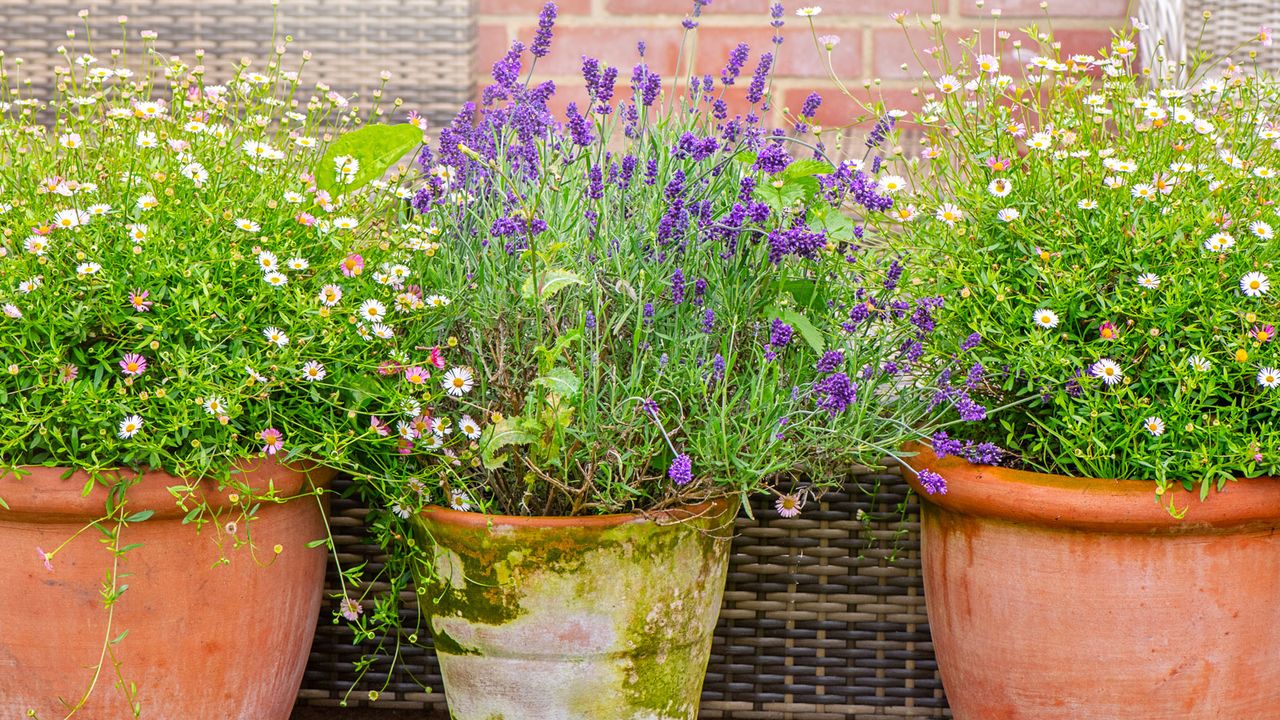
[11, 311]
[1219, 242]
[468, 427]
[330, 295]
[88, 268]
[383, 332]
[293, 198]
[129, 427]
[268, 261]
[1107, 370]
[1199, 364]
[1000, 187]
[1153, 425]
[256, 376]
[809, 11]
[372, 311]
[1144, 191]
[99, 209]
[1046, 319]
[949, 214]
[137, 232]
[1255, 284]
[1040, 141]
[247, 225]
[457, 382]
[276, 336]
[1008, 215]
[1087, 204]
[147, 202]
[436, 301]
[1268, 377]
[313, 370]
[276, 279]
[345, 223]
[297, 263]
[1149, 281]
[1261, 230]
[68, 219]
[215, 406]
[196, 173]
[26, 287]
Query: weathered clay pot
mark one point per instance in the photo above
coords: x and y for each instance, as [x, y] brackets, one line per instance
[205, 640]
[1055, 598]
[585, 618]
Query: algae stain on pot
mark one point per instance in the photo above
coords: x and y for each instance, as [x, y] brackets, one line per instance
[606, 623]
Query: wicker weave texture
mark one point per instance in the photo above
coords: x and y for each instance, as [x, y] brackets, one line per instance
[1232, 23]
[428, 45]
[823, 618]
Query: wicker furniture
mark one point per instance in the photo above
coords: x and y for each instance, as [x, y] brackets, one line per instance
[1178, 24]
[428, 45]
[823, 618]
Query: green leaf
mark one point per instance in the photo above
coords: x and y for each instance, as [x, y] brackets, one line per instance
[318, 543]
[561, 381]
[805, 168]
[801, 323]
[375, 147]
[4, 504]
[499, 435]
[140, 516]
[553, 281]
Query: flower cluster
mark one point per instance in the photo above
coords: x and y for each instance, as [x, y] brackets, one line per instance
[1109, 231]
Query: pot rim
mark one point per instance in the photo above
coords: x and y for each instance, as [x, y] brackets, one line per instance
[1093, 504]
[475, 520]
[44, 496]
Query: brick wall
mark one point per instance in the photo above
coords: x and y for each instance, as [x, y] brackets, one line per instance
[872, 46]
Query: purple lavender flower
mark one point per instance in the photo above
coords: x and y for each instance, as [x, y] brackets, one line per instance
[604, 92]
[591, 320]
[677, 287]
[650, 407]
[893, 275]
[681, 470]
[737, 58]
[773, 158]
[542, 38]
[971, 342]
[974, 379]
[932, 482]
[755, 92]
[811, 104]
[880, 131]
[648, 313]
[969, 410]
[506, 72]
[708, 321]
[830, 361]
[835, 393]
[780, 333]
[595, 189]
[717, 367]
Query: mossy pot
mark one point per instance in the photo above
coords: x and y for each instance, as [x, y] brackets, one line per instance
[552, 618]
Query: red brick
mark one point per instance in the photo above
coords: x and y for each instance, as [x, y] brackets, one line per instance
[799, 56]
[837, 8]
[891, 47]
[492, 43]
[612, 45]
[532, 7]
[1083, 41]
[1057, 8]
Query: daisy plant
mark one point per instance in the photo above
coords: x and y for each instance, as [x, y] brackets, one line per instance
[1109, 231]
[654, 301]
[193, 274]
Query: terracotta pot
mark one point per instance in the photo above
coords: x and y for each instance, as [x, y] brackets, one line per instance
[205, 640]
[587, 618]
[1080, 599]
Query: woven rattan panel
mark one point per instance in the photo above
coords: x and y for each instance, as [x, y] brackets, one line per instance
[823, 618]
[427, 45]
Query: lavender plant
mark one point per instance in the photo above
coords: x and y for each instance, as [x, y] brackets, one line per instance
[655, 301]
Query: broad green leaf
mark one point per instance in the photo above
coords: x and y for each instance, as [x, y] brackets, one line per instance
[499, 435]
[375, 147]
[561, 381]
[553, 281]
[805, 168]
[802, 325]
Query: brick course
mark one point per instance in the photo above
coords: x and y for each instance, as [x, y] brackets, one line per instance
[872, 45]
